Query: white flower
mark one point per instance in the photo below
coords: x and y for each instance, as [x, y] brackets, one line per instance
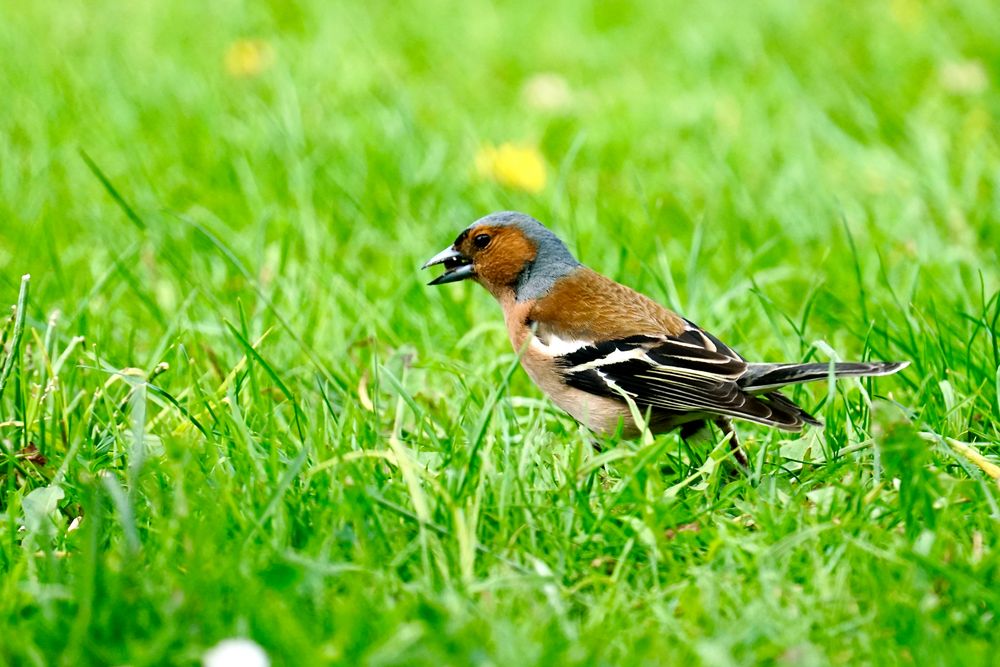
[963, 77]
[547, 92]
[237, 652]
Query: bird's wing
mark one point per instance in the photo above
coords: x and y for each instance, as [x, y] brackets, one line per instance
[689, 372]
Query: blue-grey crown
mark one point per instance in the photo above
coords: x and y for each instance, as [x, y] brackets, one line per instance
[552, 261]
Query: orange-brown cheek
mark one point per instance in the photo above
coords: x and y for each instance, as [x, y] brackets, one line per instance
[501, 265]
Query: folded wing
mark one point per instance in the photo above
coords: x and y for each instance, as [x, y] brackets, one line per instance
[692, 372]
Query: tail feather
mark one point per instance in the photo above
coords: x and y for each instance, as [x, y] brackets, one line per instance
[782, 405]
[762, 378]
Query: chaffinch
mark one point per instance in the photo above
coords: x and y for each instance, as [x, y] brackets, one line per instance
[588, 342]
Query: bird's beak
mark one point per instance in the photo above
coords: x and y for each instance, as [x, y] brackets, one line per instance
[457, 266]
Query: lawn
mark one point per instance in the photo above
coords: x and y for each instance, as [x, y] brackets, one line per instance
[231, 407]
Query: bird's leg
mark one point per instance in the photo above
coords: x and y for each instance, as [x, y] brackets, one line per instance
[693, 431]
[726, 427]
[698, 430]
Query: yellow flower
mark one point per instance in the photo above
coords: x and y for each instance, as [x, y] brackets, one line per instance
[248, 57]
[518, 166]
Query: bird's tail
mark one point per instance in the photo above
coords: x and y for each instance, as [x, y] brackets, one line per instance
[761, 378]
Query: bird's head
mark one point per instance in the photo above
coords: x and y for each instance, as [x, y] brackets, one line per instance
[506, 252]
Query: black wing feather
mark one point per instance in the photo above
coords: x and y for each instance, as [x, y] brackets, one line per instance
[693, 372]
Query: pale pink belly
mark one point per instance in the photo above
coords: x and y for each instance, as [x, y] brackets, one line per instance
[597, 413]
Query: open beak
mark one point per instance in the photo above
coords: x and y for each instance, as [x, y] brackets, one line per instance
[457, 266]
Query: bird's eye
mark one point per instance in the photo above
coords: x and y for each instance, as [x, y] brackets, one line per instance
[481, 240]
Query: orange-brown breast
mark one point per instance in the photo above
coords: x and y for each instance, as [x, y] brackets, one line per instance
[587, 306]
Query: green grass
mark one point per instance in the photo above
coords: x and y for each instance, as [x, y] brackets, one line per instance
[271, 428]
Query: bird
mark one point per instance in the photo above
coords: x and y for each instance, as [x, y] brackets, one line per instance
[594, 346]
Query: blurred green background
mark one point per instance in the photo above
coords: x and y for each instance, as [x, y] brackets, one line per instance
[187, 181]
